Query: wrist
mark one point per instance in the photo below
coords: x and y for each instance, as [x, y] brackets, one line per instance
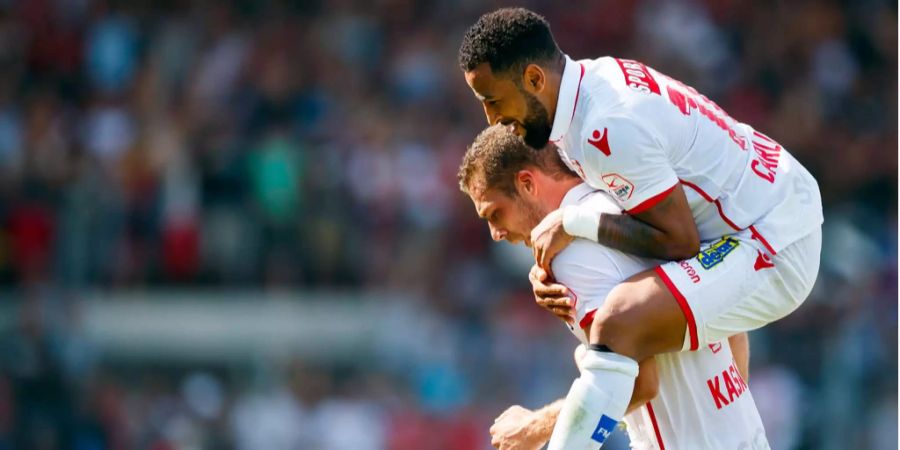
[582, 222]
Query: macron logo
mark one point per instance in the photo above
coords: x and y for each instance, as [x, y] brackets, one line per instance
[605, 426]
[601, 141]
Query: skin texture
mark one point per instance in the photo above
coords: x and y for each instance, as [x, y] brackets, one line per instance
[526, 102]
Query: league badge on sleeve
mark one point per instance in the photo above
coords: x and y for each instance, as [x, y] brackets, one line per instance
[619, 186]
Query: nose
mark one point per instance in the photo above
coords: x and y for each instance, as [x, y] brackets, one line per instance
[491, 114]
[497, 234]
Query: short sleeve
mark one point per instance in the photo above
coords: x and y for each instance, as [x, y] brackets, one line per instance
[590, 271]
[624, 158]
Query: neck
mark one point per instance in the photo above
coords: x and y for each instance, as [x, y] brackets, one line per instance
[554, 81]
[558, 190]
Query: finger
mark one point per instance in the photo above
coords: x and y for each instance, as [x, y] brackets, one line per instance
[504, 413]
[550, 291]
[566, 318]
[543, 262]
[538, 253]
[555, 301]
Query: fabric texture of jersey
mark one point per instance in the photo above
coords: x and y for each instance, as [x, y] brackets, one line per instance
[636, 134]
[702, 402]
[733, 285]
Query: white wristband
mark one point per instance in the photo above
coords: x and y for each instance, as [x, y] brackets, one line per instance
[582, 222]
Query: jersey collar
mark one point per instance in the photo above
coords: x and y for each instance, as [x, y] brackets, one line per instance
[576, 195]
[569, 88]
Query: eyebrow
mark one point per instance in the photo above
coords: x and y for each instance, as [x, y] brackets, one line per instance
[483, 212]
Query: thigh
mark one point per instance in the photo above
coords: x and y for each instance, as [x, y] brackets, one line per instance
[640, 318]
[720, 284]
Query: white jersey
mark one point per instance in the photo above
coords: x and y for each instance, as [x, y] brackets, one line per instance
[636, 133]
[702, 402]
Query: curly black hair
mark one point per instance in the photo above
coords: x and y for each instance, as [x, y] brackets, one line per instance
[508, 38]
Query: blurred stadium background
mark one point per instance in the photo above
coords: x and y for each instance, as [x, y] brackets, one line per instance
[235, 224]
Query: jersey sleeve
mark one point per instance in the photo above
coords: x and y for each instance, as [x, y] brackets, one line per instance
[590, 271]
[628, 160]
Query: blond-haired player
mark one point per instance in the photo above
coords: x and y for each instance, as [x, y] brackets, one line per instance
[686, 400]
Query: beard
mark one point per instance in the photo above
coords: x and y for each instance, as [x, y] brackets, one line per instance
[537, 123]
[532, 215]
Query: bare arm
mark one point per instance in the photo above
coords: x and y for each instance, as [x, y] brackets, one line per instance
[666, 230]
[646, 385]
[740, 348]
[520, 428]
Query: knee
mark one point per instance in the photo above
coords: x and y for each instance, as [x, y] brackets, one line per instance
[615, 328]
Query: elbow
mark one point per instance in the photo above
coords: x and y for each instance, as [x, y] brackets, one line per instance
[644, 392]
[682, 248]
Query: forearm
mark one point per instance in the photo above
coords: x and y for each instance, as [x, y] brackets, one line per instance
[627, 234]
[545, 419]
[740, 349]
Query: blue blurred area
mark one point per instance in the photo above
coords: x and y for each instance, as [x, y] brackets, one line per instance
[311, 147]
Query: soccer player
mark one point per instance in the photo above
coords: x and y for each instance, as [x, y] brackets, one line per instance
[682, 170]
[686, 400]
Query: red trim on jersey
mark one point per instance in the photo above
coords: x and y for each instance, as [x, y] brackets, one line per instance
[651, 202]
[685, 307]
[755, 234]
[712, 200]
[575, 106]
[655, 426]
[577, 91]
[587, 319]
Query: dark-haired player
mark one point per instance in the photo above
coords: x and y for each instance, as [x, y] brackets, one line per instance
[737, 215]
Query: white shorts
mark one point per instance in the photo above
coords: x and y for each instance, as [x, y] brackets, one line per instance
[735, 285]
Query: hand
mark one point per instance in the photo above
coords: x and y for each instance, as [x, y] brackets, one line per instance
[513, 430]
[549, 238]
[552, 297]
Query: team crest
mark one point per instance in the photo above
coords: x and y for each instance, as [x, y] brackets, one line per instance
[619, 186]
[715, 253]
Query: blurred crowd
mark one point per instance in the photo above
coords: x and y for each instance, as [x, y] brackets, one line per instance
[285, 145]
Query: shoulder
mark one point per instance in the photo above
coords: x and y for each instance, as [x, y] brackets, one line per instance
[586, 257]
[583, 259]
[616, 133]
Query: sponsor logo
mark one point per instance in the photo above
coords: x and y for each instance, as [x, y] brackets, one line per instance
[715, 347]
[619, 186]
[637, 77]
[691, 272]
[731, 381]
[601, 141]
[715, 253]
[763, 261]
[605, 426]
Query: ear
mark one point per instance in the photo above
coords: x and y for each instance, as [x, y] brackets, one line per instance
[526, 183]
[534, 79]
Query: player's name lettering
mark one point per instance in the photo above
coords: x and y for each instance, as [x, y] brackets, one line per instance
[637, 77]
[686, 98]
[731, 381]
[691, 272]
[768, 152]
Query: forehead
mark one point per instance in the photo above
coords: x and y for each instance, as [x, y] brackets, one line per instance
[487, 200]
[485, 82]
